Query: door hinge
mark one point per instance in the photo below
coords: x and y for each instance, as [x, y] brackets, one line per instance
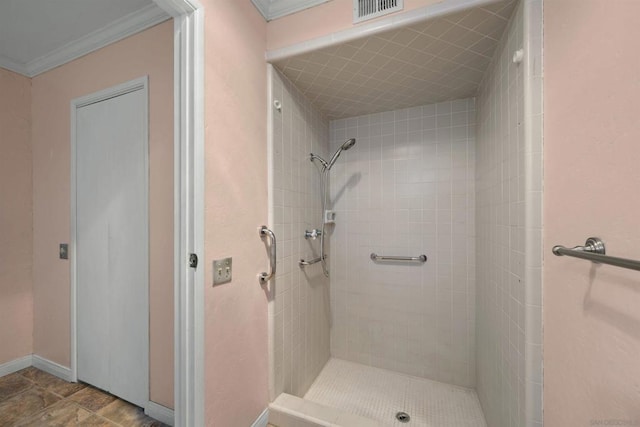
[193, 260]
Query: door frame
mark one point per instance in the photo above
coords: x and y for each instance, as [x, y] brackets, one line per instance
[188, 18]
[134, 85]
[188, 51]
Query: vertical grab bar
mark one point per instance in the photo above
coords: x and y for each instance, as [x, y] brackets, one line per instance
[265, 277]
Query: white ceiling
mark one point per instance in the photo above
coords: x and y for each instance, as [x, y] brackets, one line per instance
[35, 35]
[432, 61]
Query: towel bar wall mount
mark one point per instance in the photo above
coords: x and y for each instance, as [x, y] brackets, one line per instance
[594, 250]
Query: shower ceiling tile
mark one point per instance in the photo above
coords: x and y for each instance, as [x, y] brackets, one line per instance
[433, 61]
[374, 44]
[485, 46]
[500, 9]
[472, 20]
[405, 36]
[437, 27]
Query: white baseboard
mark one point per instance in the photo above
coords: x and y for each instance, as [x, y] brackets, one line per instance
[262, 420]
[52, 367]
[36, 361]
[159, 412]
[15, 365]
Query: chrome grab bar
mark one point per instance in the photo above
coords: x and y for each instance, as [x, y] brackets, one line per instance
[594, 250]
[302, 262]
[419, 258]
[265, 277]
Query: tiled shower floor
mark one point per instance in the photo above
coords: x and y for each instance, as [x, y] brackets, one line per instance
[379, 394]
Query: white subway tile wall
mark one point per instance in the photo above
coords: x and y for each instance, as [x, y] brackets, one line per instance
[301, 313]
[406, 188]
[509, 239]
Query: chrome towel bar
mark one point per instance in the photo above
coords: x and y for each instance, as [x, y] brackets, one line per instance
[419, 258]
[303, 263]
[265, 277]
[594, 250]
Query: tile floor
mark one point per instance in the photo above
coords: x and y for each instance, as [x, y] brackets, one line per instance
[379, 394]
[32, 397]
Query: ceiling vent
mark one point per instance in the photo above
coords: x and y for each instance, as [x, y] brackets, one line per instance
[364, 10]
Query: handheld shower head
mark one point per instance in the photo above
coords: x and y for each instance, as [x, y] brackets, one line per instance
[345, 146]
[327, 165]
[348, 144]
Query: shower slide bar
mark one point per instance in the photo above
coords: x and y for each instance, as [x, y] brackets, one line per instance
[303, 263]
[419, 258]
[594, 250]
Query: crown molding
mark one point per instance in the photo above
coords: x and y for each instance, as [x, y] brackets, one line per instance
[273, 9]
[117, 30]
[176, 8]
[11, 65]
[263, 7]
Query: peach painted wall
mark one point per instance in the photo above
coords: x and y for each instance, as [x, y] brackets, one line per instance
[16, 232]
[591, 174]
[147, 53]
[236, 205]
[326, 18]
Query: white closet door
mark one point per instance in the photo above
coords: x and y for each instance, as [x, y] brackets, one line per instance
[112, 246]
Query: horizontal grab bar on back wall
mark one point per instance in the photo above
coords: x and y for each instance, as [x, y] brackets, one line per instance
[376, 257]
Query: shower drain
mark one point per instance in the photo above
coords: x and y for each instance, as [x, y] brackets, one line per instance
[403, 417]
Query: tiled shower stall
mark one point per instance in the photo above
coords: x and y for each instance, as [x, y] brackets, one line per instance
[458, 180]
[407, 188]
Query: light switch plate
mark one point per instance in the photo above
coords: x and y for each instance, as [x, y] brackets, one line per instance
[64, 251]
[222, 269]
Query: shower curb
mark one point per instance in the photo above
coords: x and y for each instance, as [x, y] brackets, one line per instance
[288, 410]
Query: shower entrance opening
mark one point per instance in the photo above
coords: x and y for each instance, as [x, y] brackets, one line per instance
[405, 243]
